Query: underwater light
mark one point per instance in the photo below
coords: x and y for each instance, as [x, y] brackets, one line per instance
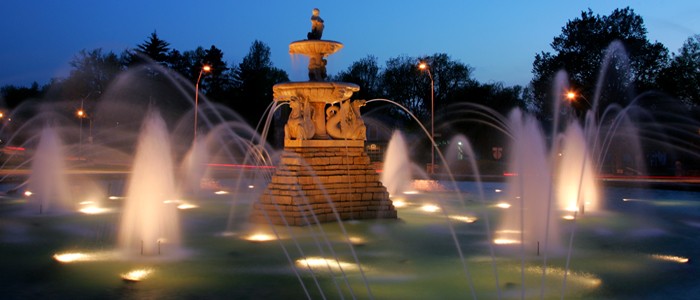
[465, 219]
[186, 206]
[71, 257]
[357, 241]
[672, 258]
[399, 203]
[503, 205]
[93, 210]
[136, 275]
[260, 237]
[505, 241]
[431, 208]
[320, 264]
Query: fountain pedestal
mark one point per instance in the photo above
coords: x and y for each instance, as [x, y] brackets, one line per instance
[324, 174]
[323, 181]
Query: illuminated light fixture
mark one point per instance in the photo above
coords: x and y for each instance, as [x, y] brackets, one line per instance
[187, 206]
[221, 192]
[260, 237]
[399, 203]
[465, 219]
[672, 258]
[505, 241]
[503, 205]
[70, 257]
[321, 264]
[93, 210]
[136, 275]
[431, 208]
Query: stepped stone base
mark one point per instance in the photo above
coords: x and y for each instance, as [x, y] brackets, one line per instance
[323, 182]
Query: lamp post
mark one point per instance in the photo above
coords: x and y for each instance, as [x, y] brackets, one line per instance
[424, 66]
[572, 96]
[205, 68]
[81, 114]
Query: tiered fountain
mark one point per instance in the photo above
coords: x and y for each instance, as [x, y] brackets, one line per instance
[325, 174]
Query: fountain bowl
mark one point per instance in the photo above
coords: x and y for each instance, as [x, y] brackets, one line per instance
[315, 47]
[316, 91]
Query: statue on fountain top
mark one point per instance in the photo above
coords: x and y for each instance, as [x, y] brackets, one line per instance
[316, 26]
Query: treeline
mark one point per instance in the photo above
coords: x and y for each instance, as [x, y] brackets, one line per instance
[636, 66]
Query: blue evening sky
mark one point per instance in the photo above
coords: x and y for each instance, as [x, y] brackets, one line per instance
[499, 39]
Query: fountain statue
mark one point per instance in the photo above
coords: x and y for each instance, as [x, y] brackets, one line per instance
[325, 174]
[316, 26]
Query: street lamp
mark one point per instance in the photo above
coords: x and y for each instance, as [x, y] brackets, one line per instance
[425, 67]
[572, 96]
[205, 68]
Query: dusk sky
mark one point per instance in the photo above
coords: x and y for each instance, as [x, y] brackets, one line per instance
[499, 39]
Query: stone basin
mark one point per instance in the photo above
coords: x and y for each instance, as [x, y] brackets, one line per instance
[316, 91]
[315, 47]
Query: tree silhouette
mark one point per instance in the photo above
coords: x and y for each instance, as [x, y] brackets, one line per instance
[253, 81]
[682, 77]
[580, 50]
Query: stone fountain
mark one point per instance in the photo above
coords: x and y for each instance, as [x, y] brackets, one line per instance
[324, 174]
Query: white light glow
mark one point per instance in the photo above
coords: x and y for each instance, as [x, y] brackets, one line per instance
[187, 206]
[28, 193]
[93, 210]
[356, 240]
[137, 275]
[251, 186]
[465, 219]
[260, 237]
[411, 192]
[431, 208]
[568, 217]
[498, 190]
[321, 264]
[399, 203]
[505, 241]
[71, 257]
[672, 258]
[503, 205]
[221, 192]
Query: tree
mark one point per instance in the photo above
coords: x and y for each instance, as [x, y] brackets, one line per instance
[682, 77]
[364, 73]
[92, 72]
[583, 46]
[154, 48]
[404, 83]
[14, 95]
[218, 82]
[253, 81]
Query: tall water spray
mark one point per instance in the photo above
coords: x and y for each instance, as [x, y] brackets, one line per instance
[194, 167]
[529, 220]
[149, 224]
[47, 183]
[396, 173]
[576, 188]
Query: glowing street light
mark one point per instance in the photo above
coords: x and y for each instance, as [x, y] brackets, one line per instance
[425, 67]
[571, 96]
[205, 68]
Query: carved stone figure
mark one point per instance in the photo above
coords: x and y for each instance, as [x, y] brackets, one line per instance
[317, 68]
[316, 26]
[300, 125]
[345, 122]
